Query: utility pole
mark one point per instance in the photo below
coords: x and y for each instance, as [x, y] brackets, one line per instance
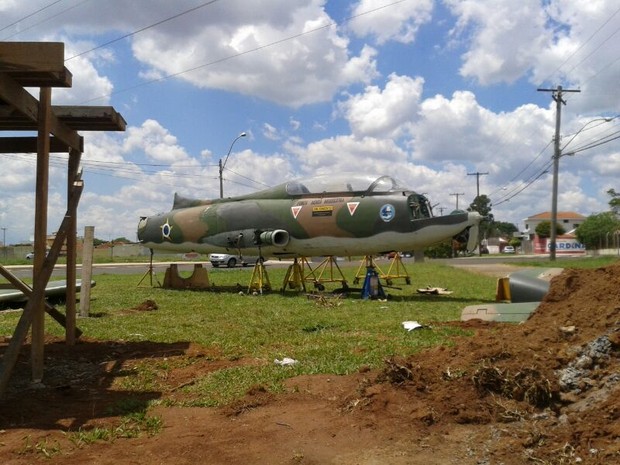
[477, 174]
[457, 198]
[557, 153]
[4, 243]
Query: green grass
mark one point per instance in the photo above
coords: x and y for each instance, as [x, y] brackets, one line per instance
[326, 336]
[330, 336]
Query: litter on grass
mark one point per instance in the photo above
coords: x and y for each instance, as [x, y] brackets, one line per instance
[411, 325]
[286, 361]
[434, 290]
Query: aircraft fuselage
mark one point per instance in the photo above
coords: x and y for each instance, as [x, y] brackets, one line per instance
[287, 221]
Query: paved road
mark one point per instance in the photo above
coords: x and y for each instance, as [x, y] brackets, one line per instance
[489, 265]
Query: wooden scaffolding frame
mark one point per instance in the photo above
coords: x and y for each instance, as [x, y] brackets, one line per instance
[41, 64]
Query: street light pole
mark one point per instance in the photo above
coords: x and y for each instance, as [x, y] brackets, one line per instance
[223, 165]
[557, 96]
[557, 153]
[4, 243]
[556, 165]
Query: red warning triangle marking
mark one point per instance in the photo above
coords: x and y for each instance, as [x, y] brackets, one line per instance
[295, 211]
[352, 207]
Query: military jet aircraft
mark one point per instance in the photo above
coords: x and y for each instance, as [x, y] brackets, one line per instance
[333, 215]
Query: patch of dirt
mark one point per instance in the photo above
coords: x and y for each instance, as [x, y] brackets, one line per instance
[544, 392]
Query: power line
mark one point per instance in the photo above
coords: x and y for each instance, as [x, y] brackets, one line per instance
[49, 18]
[30, 15]
[582, 46]
[137, 31]
[524, 184]
[239, 54]
[606, 140]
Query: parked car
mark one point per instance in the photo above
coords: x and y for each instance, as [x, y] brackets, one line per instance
[30, 255]
[231, 260]
[509, 249]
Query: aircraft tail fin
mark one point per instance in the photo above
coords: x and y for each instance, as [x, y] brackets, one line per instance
[186, 202]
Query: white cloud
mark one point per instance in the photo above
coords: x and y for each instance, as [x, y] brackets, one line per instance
[156, 142]
[491, 27]
[288, 43]
[346, 154]
[462, 129]
[387, 112]
[399, 22]
[270, 132]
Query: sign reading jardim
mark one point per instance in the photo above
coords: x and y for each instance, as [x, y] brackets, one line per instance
[567, 245]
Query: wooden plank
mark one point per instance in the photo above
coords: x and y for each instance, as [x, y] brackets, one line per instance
[40, 230]
[35, 64]
[73, 174]
[26, 105]
[87, 269]
[32, 56]
[64, 133]
[29, 145]
[16, 97]
[90, 118]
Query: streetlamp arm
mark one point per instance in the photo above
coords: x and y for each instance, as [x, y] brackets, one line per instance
[243, 134]
[222, 165]
[602, 120]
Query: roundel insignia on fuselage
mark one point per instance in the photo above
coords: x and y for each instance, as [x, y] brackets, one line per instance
[166, 229]
[387, 212]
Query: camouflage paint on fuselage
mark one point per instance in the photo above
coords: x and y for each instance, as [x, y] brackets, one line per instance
[319, 216]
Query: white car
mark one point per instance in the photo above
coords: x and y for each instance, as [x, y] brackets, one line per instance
[30, 255]
[230, 260]
[509, 249]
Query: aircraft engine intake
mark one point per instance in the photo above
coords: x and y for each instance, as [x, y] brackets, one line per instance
[277, 237]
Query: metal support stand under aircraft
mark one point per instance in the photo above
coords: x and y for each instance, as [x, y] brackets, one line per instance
[294, 277]
[396, 270]
[316, 275]
[260, 279]
[372, 288]
[150, 272]
[327, 271]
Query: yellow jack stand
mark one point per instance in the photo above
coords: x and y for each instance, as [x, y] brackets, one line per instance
[316, 276]
[396, 270]
[260, 279]
[294, 278]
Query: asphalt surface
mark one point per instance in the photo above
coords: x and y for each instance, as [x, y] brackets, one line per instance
[487, 264]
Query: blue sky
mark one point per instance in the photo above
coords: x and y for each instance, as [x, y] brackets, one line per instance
[426, 91]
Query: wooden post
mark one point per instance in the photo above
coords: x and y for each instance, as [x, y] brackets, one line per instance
[72, 177]
[40, 231]
[87, 270]
[8, 360]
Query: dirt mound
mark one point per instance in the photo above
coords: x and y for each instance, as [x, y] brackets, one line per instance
[546, 391]
[551, 386]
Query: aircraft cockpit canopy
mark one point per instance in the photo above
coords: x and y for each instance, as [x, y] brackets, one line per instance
[345, 183]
